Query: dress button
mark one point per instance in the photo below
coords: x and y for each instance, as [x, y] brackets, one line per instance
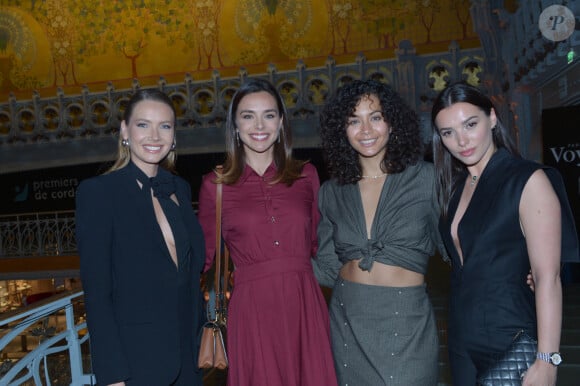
[341, 304]
[396, 312]
[396, 334]
[276, 243]
[345, 365]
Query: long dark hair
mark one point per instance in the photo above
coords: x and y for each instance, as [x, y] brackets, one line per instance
[123, 152]
[404, 147]
[447, 168]
[288, 169]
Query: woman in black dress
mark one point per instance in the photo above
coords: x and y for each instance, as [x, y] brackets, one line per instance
[501, 216]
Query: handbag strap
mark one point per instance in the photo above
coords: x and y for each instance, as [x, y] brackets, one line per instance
[220, 300]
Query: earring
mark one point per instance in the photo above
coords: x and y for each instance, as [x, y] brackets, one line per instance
[125, 142]
[173, 146]
[238, 137]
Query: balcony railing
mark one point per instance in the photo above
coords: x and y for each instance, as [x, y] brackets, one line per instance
[46, 344]
[73, 129]
[37, 234]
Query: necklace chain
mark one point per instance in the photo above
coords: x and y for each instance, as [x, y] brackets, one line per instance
[375, 177]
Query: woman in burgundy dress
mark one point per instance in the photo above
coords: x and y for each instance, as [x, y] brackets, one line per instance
[278, 328]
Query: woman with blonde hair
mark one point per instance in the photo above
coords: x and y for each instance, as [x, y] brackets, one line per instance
[141, 251]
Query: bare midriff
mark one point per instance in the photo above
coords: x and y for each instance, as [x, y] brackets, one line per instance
[381, 274]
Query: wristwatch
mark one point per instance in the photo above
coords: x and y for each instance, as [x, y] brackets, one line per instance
[553, 358]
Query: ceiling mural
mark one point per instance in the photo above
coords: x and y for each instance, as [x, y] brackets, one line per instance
[47, 45]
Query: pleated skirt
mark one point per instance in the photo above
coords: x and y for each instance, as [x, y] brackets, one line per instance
[383, 335]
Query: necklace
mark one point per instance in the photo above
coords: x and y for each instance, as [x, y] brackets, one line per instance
[473, 180]
[375, 177]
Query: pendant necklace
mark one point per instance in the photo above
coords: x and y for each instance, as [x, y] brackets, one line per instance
[473, 180]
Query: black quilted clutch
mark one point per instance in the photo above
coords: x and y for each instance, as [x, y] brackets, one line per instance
[512, 365]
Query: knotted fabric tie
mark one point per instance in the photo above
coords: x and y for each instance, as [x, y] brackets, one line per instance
[367, 252]
[373, 248]
[163, 185]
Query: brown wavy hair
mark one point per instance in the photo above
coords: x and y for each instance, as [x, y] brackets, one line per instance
[288, 168]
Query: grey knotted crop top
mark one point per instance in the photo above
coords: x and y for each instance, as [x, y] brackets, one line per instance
[404, 232]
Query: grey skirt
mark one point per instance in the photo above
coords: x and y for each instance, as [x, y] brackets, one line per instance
[383, 335]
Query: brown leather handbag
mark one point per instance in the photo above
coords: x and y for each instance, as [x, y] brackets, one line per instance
[212, 353]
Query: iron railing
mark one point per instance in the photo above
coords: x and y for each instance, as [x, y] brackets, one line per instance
[45, 344]
[37, 234]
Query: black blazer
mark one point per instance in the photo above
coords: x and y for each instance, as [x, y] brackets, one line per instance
[143, 313]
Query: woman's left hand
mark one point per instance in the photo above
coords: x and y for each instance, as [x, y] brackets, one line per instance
[540, 374]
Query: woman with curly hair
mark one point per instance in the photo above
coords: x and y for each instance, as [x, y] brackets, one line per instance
[378, 229]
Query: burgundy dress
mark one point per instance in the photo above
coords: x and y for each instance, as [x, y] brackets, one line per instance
[278, 328]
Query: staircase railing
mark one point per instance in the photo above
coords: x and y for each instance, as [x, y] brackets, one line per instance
[59, 356]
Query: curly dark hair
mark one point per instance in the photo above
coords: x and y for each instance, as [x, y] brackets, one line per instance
[404, 147]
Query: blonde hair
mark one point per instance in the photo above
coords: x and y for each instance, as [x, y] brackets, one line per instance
[123, 151]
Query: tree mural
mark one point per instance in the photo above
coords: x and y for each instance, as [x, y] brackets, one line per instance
[131, 26]
[425, 11]
[199, 29]
[340, 13]
[461, 8]
[60, 27]
[79, 30]
[385, 26]
[274, 28]
[68, 42]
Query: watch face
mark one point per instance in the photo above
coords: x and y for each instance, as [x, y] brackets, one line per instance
[556, 358]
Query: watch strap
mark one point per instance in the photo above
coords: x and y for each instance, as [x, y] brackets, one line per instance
[547, 357]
